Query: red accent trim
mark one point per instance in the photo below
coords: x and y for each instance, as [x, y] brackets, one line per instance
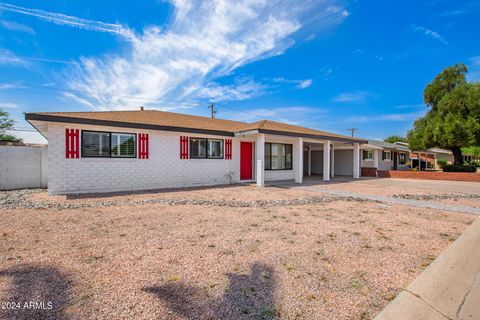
[228, 149]
[143, 146]
[72, 143]
[183, 147]
[146, 146]
[77, 143]
[67, 143]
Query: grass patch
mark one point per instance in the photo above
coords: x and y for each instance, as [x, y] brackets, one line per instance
[174, 278]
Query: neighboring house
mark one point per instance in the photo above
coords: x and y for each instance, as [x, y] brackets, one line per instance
[467, 157]
[378, 156]
[428, 158]
[383, 156]
[147, 149]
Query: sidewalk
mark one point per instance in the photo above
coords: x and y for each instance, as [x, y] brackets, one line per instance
[448, 289]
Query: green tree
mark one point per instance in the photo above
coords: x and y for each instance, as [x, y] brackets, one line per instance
[473, 151]
[453, 118]
[6, 123]
[395, 138]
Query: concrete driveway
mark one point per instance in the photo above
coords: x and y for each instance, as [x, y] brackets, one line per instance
[411, 185]
[455, 196]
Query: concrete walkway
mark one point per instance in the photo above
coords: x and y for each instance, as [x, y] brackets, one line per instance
[448, 289]
[391, 200]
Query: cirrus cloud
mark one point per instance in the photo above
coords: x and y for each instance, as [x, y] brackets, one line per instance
[205, 41]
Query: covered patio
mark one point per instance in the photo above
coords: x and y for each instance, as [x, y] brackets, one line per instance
[311, 155]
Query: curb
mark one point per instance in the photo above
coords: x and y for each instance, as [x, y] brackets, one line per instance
[447, 289]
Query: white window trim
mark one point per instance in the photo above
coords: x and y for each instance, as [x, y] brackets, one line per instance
[368, 159]
[390, 152]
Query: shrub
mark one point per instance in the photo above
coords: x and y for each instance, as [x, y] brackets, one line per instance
[459, 168]
[441, 163]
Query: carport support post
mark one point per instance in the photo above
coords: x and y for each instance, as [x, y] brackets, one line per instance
[332, 173]
[309, 160]
[356, 161]
[326, 160]
[260, 157]
[299, 160]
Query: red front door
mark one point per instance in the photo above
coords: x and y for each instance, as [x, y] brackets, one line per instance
[246, 152]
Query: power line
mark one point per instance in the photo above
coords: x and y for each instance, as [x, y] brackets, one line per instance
[352, 131]
[213, 112]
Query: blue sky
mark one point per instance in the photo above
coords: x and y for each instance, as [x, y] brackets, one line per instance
[331, 65]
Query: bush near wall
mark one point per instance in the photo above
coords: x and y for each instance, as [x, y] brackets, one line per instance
[459, 168]
[442, 163]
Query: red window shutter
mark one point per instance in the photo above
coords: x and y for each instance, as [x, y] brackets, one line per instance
[183, 147]
[228, 149]
[143, 146]
[72, 143]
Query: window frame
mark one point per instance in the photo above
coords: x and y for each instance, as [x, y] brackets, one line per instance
[368, 152]
[134, 145]
[82, 151]
[384, 158]
[404, 154]
[270, 156]
[206, 148]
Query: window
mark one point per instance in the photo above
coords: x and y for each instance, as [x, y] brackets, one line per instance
[95, 144]
[278, 156]
[108, 144]
[206, 148]
[215, 149]
[387, 155]
[367, 155]
[123, 145]
[401, 158]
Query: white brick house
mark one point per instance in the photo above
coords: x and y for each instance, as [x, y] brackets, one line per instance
[141, 150]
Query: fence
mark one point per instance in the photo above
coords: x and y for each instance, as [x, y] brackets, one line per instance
[23, 167]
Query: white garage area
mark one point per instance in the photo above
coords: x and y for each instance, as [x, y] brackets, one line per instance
[340, 156]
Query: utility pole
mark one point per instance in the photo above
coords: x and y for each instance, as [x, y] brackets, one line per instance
[353, 131]
[212, 110]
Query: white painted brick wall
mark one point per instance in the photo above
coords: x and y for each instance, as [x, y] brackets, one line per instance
[163, 169]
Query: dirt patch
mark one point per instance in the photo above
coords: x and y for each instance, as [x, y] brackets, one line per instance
[335, 260]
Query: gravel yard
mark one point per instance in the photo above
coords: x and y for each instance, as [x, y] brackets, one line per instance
[274, 253]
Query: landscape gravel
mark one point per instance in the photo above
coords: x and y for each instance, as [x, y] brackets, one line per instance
[130, 259]
[22, 199]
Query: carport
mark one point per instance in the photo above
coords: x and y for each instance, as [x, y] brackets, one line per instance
[331, 158]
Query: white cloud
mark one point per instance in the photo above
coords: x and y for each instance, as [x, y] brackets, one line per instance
[7, 86]
[475, 61]
[392, 117]
[429, 33]
[301, 84]
[8, 105]
[474, 69]
[355, 97]
[304, 83]
[205, 41]
[297, 115]
[62, 19]
[241, 91]
[7, 57]
[409, 106]
[15, 26]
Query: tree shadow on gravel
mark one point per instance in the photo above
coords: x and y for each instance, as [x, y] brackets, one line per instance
[247, 297]
[39, 292]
